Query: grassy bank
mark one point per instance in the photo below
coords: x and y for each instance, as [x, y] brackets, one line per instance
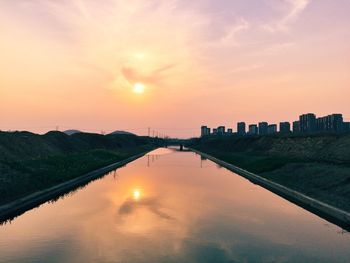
[318, 166]
[31, 162]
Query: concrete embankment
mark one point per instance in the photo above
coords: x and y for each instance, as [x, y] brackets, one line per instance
[326, 211]
[21, 205]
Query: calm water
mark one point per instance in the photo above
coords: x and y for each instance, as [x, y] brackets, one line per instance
[172, 207]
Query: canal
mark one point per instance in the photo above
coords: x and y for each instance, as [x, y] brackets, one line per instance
[171, 206]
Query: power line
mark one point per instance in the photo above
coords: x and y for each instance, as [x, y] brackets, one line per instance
[177, 129]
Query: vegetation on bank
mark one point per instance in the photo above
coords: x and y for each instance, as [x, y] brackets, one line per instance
[318, 165]
[31, 162]
[255, 163]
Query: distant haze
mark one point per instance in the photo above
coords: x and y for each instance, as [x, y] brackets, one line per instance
[101, 66]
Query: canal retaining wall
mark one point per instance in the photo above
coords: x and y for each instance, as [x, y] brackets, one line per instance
[326, 211]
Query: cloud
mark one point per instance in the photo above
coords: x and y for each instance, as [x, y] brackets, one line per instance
[232, 31]
[154, 77]
[294, 10]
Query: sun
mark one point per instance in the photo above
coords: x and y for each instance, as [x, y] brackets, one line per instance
[136, 194]
[138, 88]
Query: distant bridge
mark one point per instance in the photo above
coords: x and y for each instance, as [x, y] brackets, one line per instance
[173, 142]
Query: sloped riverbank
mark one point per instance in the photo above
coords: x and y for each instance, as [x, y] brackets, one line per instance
[317, 166]
[30, 163]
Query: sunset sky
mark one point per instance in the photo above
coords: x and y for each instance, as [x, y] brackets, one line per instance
[170, 65]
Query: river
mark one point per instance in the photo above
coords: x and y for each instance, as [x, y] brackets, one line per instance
[171, 206]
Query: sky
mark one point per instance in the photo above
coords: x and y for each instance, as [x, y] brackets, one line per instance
[172, 65]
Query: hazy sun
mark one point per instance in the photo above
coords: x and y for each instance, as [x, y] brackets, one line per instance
[136, 194]
[138, 88]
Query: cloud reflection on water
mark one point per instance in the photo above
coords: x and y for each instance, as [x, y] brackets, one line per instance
[152, 204]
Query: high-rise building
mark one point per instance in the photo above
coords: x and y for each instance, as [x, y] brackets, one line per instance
[229, 131]
[285, 127]
[253, 129]
[346, 126]
[205, 131]
[215, 131]
[272, 129]
[307, 123]
[263, 128]
[296, 126]
[330, 123]
[337, 122]
[241, 128]
[221, 130]
[320, 124]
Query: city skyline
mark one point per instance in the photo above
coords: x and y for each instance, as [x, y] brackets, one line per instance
[307, 123]
[170, 65]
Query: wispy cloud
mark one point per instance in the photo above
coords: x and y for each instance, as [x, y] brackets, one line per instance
[294, 10]
[155, 77]
[233, 30]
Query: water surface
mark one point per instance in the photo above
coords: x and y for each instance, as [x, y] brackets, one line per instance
[172, 206]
